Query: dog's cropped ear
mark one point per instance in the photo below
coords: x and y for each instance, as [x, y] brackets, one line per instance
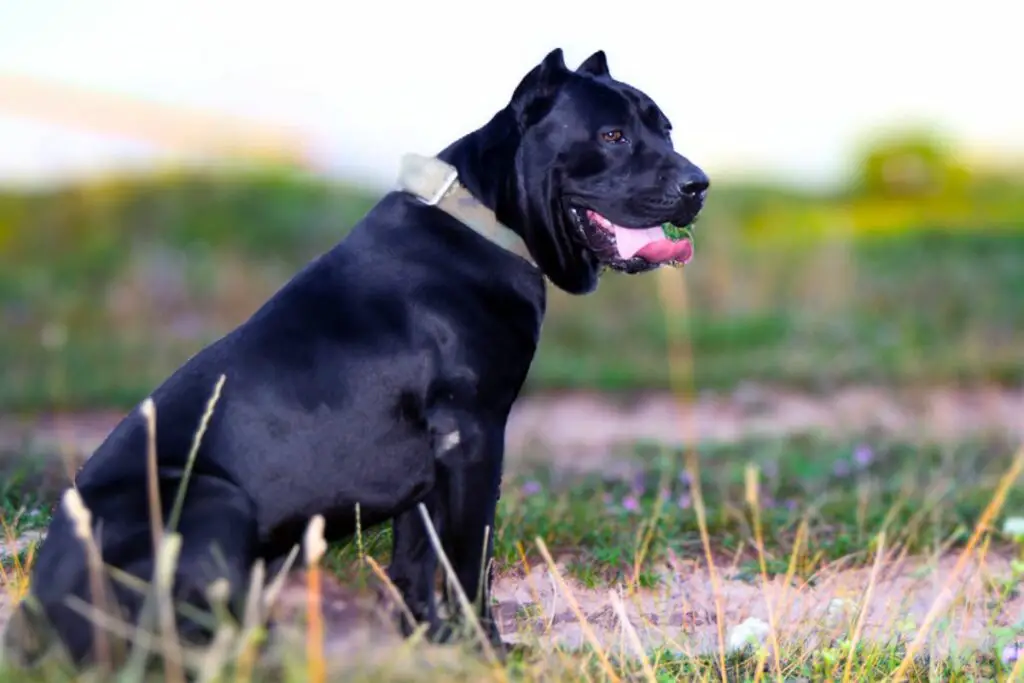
[535, 93]
[595, 65]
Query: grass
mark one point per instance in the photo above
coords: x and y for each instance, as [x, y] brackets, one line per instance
[104, 291]
[822, 507]
[923, 496]
[893, 311]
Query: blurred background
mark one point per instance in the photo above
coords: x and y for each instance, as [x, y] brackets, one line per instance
[165, 167]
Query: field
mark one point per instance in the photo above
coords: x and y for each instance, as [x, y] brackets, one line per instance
[797, 459]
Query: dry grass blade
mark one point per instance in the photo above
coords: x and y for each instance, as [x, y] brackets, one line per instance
[157, 530]
[213, 661]
[672, 288]
[631, 635]
[984, 523]
[156, 525]
[484, 568]
[166, 566]
[705, 538]
[197, 439]
[251, 622]
[81, 519]
[467, 607]
[396, 595]
[15, 580]
[647, 537]
[752, 489]
[360, 551]
[315, 547]
[876, 569]
[575, 607]
[275, 587]
[535, 594]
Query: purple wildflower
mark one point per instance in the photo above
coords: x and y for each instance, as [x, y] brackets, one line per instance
[630, 504]
[684, 501]
[1011, 653]
[790, 504]
[684, 478]
[531, 488]
[863, 455]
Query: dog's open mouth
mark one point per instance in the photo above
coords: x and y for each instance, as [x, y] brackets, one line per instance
[629, 249]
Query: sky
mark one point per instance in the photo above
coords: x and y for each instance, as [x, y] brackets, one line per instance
[785, 89]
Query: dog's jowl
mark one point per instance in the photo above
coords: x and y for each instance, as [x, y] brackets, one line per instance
[382, 375]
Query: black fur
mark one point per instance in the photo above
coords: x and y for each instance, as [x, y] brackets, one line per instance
[342, 387]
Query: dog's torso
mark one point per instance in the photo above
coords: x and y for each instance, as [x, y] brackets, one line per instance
[332, 385]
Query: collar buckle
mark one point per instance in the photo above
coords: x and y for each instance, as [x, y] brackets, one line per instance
[442, 190]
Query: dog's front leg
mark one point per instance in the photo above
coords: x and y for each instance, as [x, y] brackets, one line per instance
[471, 475]
[413, 568]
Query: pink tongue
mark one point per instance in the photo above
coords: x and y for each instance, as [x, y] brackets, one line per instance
[632, 241]
[651, 244]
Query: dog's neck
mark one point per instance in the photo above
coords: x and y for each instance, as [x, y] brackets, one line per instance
[436, 183]
[492, 146]
[469, 198]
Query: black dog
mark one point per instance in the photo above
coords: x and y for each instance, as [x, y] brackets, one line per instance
[383, 373]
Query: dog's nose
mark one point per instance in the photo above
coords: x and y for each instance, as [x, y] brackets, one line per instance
[693, 184]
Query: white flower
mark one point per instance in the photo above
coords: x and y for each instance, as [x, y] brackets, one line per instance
[837, 609]
[752, 631]
[1014, 526]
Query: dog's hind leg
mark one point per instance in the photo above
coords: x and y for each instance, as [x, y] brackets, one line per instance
[218, 529]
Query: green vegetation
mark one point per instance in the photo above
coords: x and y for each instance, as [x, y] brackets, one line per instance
[923, 497]
[927, 499]
[911, 274]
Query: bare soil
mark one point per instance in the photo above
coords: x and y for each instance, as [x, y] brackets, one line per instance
[685, 613]
[688, 612]
[585, 430]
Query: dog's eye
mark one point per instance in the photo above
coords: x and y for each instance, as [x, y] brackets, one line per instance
[613, 136]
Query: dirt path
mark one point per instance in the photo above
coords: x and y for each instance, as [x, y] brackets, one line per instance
[683, 614]
[584, 429]
[966, 609]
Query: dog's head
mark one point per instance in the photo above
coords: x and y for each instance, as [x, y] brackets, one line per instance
[597, 175]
